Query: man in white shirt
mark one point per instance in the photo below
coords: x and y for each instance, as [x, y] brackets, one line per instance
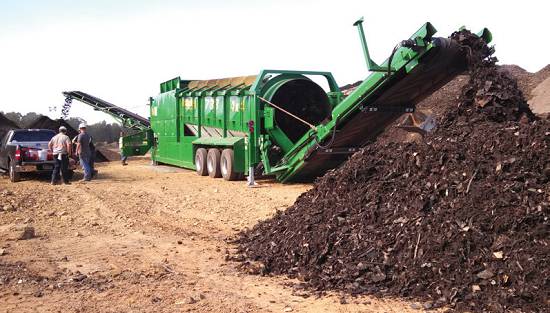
[61, 148]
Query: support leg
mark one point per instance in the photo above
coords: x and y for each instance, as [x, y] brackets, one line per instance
[251, 182]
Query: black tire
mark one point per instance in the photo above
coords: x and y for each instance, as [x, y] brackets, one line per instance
[200, 162]
[14, 175]
[213, 163]
[227, 165]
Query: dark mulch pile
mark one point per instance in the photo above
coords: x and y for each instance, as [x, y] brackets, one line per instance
[460, 219]
[45, 122]
[6, 125]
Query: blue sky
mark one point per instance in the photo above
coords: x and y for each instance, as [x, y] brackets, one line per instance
[122, 50]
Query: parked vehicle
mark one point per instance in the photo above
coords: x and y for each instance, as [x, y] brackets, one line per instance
[26, 150]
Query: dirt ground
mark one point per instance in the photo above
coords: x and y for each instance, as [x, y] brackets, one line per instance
[145, 239]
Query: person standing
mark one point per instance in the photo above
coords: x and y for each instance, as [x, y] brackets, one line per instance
[84, 152]
[61, 148]
[123, 157]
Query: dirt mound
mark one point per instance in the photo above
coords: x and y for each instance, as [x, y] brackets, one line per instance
[527, 81]
[460, 219]
[447, 98]
[540, 101]
[6, 125]
[110, 151]
[47, 123]
[543, 73]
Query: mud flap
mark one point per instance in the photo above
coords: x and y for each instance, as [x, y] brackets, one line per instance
[137, 144]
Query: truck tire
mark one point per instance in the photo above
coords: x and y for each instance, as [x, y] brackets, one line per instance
[200, 162]
[14, 175]
[227, 165]
[213, 163]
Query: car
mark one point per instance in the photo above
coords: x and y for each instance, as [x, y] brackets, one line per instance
[26, 150]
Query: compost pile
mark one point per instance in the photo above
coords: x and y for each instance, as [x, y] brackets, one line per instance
[6, 125]
[458, 220]
[44, 122]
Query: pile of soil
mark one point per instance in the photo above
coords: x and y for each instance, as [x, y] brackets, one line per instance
[527, 81]
[6, 125]
[540, 100]
[460, 219]
[45, 122]
[109, 150]
[447, 97]
[534, 86]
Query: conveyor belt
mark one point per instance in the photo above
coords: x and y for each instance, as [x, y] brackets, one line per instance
[132, 119]
[403, 90]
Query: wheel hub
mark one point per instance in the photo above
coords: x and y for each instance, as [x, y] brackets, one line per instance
[209, 165]
[224, 166]
[198, 164]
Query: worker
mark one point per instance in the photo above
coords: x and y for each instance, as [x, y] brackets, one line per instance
[84, 152]
[93, 154]
[61, 148]
[123, 157]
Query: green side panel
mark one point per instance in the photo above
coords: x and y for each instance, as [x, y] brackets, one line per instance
[189, 109]
[137, 144]
[209, 116]
[269, 118]
[218, 141]
[196, 110]
[235, 114]
[239, 156]
[219, 120]
[183, 155]
[165, 113]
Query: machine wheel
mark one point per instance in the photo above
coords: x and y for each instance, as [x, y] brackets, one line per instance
[200, 162]
[213, 163]
[227, 165]
[14, 175]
